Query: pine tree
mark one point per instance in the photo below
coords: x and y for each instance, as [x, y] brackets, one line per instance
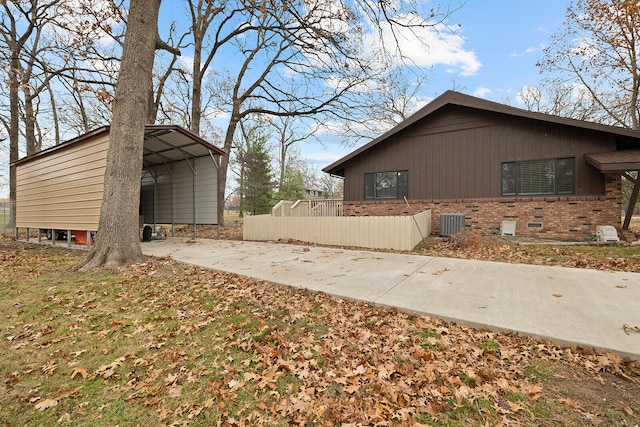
[257, 178]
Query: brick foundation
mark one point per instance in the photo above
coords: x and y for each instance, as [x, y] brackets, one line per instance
[569, 218]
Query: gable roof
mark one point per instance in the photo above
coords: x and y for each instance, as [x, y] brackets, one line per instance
[458, 99]
[162, 144]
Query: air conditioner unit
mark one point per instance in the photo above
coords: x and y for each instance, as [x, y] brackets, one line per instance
[451, 224]
[606, 233]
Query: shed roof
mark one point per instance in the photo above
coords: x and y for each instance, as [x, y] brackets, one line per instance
[459, 99]
[162, 144]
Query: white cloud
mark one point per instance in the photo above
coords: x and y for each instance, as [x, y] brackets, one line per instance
[428, 46]
[481, 91]
[186, 61]
[529, 50]
[325, 158]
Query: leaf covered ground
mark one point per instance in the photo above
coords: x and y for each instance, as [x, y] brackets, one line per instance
[618, 257]
[161, 343]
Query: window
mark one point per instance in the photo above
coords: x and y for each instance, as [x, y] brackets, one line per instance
[386, 185]
[538, 177]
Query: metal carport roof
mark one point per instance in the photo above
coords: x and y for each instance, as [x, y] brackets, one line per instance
[162, 144]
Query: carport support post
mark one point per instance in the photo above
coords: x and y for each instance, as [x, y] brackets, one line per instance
[215, 164]
[193, 195]
[632, 203]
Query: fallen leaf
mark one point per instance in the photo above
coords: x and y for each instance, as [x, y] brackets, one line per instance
[445, 390]
[557, 295]
[106, 371]
[79, 371]
[341, 380]
[352, 388]
[46, 404]
[515, 406]
[535, 391]
[175, 391]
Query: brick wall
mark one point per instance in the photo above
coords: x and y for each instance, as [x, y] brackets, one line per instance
[570, 218]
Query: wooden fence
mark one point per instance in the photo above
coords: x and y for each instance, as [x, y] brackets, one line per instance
[374, 232]
[308, 208]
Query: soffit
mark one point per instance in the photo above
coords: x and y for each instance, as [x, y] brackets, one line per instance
[168, 144]
[615, 161]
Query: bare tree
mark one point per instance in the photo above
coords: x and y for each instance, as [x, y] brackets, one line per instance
[288, 132]
[19, 41]
[332, 187]
[309, 58]
[598, 51]
[560, 99]
[118, 233]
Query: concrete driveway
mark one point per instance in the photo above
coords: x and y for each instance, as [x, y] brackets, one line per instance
[564, 305]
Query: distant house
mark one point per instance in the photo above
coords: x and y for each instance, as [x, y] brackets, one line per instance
[313, 193]
[487, 163]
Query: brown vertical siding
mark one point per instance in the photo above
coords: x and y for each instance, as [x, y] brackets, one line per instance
[456, 153]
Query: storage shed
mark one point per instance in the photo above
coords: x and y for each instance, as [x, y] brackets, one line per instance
[61, 188]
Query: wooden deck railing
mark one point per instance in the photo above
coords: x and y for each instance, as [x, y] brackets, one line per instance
[308, 208]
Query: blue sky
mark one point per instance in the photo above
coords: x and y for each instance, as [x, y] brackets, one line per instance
[507, 37]
[493, 58]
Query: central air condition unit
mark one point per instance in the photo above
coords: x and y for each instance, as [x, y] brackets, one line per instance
[606, 233]
[451, 224]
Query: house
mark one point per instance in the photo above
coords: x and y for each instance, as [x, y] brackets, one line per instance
[313, 193]
[61, 188]
[487, 163]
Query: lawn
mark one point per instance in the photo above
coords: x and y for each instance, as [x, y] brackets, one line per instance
[161, 343]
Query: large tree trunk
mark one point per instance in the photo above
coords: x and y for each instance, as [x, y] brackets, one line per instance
[224, 164]
[14, 135]
[196, 97]
[118, 240]
[33, 146]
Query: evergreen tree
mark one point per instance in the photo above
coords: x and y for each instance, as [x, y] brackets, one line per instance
[293, 184]
[256, 181]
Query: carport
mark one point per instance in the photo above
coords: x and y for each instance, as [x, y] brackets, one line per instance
[61, 188]
[623, 162]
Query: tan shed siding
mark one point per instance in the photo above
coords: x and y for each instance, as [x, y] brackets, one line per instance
[206, 189]
[64, 189]
[181, 192]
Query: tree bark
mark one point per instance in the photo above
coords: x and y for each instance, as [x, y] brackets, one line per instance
[118, 239]
[224, 167]
[14, 135]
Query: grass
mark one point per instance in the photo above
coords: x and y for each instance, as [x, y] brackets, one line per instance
[161, 343]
